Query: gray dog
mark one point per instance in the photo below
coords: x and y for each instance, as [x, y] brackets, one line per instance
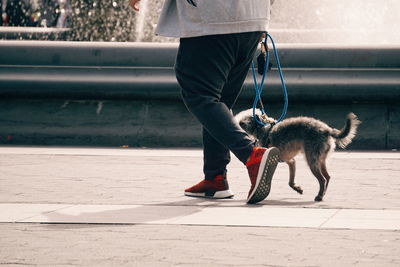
[301, 134]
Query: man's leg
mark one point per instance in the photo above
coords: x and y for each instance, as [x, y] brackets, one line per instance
[202, 68]
[216, 155]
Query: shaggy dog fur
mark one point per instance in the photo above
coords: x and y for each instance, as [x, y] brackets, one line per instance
[301, 134]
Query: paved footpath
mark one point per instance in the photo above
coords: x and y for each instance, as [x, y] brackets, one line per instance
[125, 207]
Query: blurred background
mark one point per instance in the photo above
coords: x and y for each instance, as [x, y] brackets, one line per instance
[293, 21]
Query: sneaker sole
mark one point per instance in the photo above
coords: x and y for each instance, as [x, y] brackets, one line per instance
[266, 171]
[213, 195]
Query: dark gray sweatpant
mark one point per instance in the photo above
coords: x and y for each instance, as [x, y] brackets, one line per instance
[211, 71]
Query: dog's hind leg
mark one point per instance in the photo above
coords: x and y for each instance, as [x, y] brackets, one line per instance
[314, 163]
[292, 174]
[329, 148]
[325, 173]
[321, 180]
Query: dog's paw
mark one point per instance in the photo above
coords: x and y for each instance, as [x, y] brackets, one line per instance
[296, 188]
[318, 198]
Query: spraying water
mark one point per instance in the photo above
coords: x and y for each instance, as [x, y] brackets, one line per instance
[140, 20]
[292, 21]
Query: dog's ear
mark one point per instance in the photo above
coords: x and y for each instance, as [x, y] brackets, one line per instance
[247, 123]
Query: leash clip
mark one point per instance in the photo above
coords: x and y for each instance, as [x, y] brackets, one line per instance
[267, 120]
[264, 118]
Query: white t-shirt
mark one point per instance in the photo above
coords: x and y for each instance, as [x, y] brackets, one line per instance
[191, 18]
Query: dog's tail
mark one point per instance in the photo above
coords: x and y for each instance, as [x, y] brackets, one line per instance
[345, 136]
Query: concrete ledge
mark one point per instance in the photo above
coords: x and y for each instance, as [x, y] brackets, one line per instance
[113, 94]
[55, 53]
[159, 123]
[83, 70]
[304, 85]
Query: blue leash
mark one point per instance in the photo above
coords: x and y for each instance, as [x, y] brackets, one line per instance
[258, 87]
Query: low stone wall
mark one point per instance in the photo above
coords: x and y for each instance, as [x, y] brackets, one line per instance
[125, 94]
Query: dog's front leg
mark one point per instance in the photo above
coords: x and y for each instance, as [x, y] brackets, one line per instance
[292, 174]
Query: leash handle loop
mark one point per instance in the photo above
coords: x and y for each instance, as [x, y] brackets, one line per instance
[258, 87]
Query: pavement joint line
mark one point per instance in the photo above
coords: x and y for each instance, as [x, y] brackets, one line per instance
[163, 152]
[132, 224]
[195, 225]
[333, 215]
[215, 204]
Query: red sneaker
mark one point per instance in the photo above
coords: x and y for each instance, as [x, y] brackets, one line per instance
[261, 167]
[217, 188]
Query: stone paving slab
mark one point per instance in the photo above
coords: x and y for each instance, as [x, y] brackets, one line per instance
[170, 229]
[360, 180]
[180, 245]
[193, 215]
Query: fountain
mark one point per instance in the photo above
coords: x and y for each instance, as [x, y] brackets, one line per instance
[293, 21]
[339, 21]
[141, 19]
